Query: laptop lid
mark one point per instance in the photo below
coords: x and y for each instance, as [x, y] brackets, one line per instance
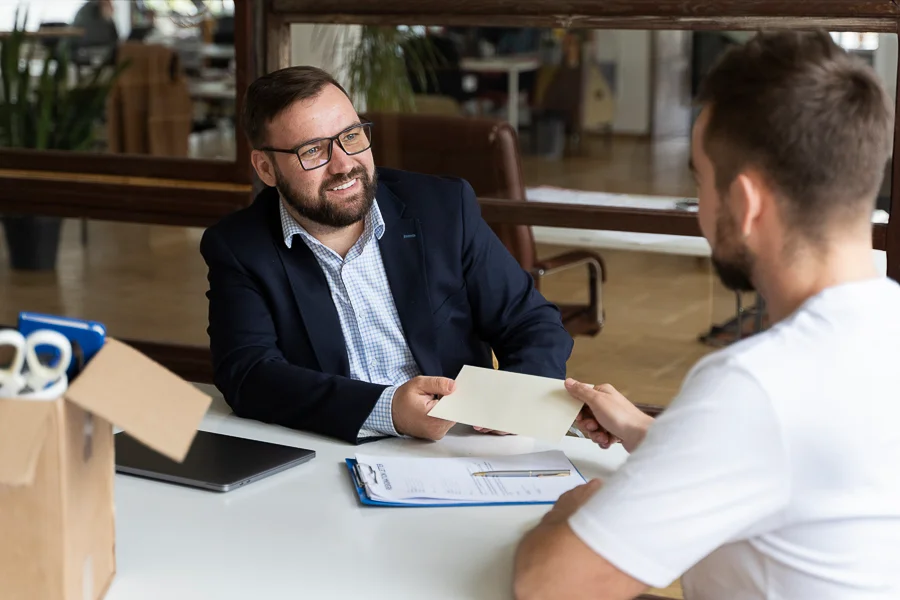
[215, 461]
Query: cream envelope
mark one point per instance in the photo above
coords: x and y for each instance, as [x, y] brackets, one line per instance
[538, 407]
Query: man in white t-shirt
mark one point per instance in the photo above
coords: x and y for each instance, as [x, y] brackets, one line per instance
[775, 473]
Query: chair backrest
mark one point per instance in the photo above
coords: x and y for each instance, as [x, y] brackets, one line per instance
[150, 110]
[484, 152]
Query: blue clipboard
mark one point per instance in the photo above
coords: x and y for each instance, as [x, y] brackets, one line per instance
[87, 337]
[364, 498]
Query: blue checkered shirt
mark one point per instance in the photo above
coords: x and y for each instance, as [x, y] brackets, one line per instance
[376, 346]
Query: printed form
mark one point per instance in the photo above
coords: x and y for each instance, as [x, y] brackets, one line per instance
[450, 480]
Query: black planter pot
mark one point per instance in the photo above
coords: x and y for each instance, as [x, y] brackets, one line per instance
[32, 241]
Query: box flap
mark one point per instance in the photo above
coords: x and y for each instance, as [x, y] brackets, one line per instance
[23, 428]
[145, 399]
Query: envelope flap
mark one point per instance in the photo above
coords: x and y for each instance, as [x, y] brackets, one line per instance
[151, 403]
[23, 428]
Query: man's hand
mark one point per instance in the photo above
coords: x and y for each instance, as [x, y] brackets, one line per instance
[411, 404]
[589, 426]
[608, 414]
[571, 501]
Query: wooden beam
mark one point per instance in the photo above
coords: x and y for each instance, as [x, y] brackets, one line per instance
[868, 24]
[187, 206]
[836, 15]
[892, 241]
[620, 9]
[581, 216]
[105, 163]
[245, 71]
[278, 41]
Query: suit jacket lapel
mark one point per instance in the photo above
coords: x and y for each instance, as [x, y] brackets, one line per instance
[404, 263]
[313, 298]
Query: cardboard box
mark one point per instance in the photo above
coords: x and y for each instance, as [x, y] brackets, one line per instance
[57, 523]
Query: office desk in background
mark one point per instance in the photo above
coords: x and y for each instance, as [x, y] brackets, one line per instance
[512, 66]
[303, 533]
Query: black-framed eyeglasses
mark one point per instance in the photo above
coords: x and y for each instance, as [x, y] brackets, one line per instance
[316, 153]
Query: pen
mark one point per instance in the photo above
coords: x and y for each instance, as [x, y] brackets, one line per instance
[554, 473]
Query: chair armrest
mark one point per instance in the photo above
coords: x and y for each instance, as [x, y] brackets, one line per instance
[570, 259]
[596, 276]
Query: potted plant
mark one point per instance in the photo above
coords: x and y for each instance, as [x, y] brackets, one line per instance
[380, 61]
[55, 111]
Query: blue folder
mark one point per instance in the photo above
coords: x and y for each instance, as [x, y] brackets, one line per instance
[87, 337]
[364, 498]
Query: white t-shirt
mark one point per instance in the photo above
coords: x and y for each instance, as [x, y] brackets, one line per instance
[775, 473]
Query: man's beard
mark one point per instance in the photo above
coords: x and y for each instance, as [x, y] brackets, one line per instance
[319, 210]
[731, 259]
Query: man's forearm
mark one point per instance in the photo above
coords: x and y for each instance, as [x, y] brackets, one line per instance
[552, 562]
[274, 391]
[531, 578]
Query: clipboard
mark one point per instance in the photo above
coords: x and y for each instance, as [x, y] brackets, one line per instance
[364, 498]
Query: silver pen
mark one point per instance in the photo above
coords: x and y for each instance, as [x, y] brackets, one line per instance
[550, 473]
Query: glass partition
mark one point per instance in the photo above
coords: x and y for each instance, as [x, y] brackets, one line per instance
[150, 84]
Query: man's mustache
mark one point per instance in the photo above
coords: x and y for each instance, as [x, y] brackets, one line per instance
[354, 174]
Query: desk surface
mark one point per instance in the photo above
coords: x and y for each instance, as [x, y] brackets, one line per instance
[303, 532]
[501, 64]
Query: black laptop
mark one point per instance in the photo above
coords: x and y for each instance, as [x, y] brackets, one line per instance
[214, 462]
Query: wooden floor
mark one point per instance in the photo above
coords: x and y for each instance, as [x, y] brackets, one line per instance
[149, 281]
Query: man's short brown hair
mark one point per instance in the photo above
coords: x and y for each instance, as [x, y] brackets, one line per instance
[815, 121]
[270, 94]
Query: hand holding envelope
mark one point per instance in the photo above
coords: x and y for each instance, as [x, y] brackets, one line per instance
[539, 407]
[609, 417]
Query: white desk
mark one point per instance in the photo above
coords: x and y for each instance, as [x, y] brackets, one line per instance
[304, 534]
[212, 90]
[511, 65]
[220, 51]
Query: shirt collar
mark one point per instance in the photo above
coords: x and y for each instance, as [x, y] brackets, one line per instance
[290, 227]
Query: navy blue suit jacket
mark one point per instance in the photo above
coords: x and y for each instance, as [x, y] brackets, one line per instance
[277, 347]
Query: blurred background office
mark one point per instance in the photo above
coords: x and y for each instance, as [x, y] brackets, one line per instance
[170, 64]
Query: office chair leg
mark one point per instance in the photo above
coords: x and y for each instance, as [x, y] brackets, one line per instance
[740, 316]
[760, 309]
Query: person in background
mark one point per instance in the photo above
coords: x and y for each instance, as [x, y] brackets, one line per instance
[95, 17]
[345, 299]
[773, 473]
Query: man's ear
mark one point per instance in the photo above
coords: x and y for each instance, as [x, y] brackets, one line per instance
[265, 168]
[747, 195]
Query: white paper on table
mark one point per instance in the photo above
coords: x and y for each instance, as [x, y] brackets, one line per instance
[538, 407]
[414, 480]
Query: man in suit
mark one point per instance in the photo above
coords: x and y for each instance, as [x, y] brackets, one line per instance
[346, 297]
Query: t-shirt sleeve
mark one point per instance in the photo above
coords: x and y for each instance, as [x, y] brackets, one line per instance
[712, 469]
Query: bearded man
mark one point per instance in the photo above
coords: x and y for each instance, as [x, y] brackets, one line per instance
[773, 473]
[346, 298]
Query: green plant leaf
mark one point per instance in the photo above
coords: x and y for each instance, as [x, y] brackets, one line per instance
[380, 61]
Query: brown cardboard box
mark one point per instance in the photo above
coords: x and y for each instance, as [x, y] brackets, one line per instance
[57, 530]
